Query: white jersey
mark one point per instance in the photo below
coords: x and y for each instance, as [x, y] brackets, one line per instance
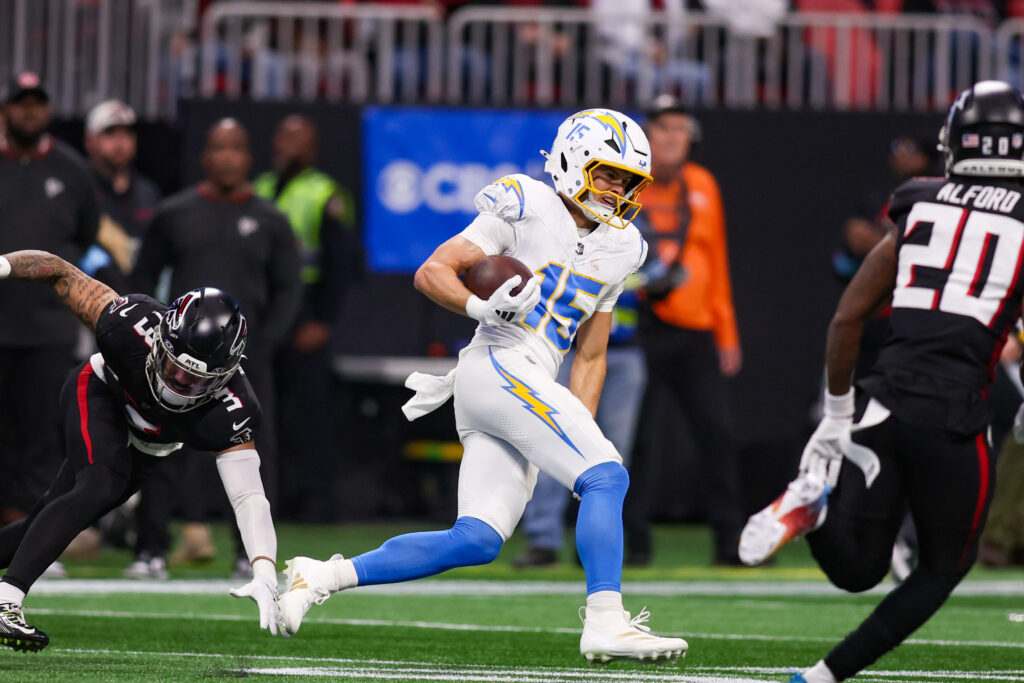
[579, 275]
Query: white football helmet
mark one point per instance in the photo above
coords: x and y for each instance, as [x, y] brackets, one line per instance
[600, 137]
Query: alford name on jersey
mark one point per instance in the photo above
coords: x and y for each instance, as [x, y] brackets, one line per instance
[981, 197]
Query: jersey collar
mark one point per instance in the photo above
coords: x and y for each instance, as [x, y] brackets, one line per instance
[209, 195]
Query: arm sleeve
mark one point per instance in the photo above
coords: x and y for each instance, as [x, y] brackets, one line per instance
[240, 473]
[285, 285]
[154, 255]
[723, 314]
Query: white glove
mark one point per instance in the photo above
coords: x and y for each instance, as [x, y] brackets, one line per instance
[263, 591]
[5, 267]
[1018, 425]
[502, 308]
[823, 454]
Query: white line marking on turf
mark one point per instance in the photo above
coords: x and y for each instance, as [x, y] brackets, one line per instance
[486, 588]
[496, 628]
[372, 668]
[873, 674]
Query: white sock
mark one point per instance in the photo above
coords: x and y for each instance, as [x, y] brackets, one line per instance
[819, 673]
[604, 601]
[10, 593]
[344, 575]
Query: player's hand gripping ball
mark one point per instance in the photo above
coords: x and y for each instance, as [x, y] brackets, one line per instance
[504, 290]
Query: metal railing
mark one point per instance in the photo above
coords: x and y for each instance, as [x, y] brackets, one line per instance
[279, 50]
[821, 60]
[148, 53]
[88, 52]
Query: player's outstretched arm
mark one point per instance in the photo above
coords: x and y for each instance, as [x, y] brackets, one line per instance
[85, 296]
[239, 469]
[438, 277]
[870, 287]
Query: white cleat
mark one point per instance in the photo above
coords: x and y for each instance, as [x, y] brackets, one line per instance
[308, 583]
[799, 510]
[613, 634]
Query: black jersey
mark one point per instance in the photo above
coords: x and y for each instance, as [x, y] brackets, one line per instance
[960, 243]
[124, 335]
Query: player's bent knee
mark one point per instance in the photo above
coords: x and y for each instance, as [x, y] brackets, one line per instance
[478, 542]
[607, 476]
[858, 580]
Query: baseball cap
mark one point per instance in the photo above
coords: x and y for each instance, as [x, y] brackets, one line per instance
[109, 114]
[666, 104]
[25, 83]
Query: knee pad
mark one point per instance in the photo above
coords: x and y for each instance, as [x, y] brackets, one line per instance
[610, 476]
[476, 541]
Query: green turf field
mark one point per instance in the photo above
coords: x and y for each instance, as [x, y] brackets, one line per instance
[497, 623]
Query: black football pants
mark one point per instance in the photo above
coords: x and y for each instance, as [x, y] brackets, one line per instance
[100, 471]
[946, 481]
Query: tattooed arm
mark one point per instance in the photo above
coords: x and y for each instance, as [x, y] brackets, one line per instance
[85, 296]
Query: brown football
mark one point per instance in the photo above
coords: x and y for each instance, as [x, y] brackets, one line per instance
[487, 274]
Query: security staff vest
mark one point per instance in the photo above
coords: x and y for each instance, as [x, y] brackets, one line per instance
[303, 200]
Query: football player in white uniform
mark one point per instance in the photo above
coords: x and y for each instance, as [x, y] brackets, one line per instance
[511, 415]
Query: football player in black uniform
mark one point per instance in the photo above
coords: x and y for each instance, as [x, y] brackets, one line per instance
[163, 377]
[914, 433]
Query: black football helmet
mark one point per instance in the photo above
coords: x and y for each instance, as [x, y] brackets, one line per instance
[984, 132]
[196, 348]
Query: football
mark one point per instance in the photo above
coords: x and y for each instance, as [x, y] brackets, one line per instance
[487, 274]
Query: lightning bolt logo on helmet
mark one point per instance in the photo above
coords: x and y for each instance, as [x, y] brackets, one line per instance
[595, 138]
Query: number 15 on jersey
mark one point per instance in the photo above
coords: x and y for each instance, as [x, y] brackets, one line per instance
[558, 316]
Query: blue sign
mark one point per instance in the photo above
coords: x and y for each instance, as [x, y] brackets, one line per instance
[423, 167]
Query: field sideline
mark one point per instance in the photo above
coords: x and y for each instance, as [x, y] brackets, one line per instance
[496, 623]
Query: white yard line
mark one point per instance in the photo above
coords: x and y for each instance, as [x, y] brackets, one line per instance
[492, 628]
[486, 588]
[389, 670]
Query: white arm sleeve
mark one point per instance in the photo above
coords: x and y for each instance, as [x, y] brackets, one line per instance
[492, 234]
[240, 473]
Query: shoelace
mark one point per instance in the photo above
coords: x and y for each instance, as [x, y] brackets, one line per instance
[639, 622]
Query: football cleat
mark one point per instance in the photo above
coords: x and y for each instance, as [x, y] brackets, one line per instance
[308, 583]
[146, 567]
[16, 634]
[799, 510]
[55, 570]
[607, 635]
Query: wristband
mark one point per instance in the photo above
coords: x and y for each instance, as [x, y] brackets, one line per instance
[5, 267]
[839, 406]
[476, 308]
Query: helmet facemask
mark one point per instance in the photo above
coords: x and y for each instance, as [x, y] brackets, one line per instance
[625, 208]
[180, 383]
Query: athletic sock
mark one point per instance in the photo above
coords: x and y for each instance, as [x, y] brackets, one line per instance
[345, 575]
[819, 673]
[10, 593]
[604, 601]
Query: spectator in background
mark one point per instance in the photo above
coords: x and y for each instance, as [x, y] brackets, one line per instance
[617, 415]
[127, 199]
[322, 215]
[690, 338]
[908, 157]
[220, 234]
[47, 202]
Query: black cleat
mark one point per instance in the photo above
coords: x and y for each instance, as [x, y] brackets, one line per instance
[16, 634]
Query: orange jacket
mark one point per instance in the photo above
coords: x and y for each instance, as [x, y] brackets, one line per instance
[704, 300]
